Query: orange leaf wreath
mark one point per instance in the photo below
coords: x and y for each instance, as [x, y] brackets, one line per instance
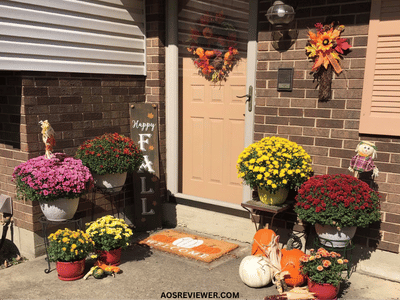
[325, 48]
[213, 47]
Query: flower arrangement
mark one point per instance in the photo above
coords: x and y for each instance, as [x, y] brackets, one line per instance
[110, 153]
[337, 200]
[325, 48]
[322, 266]
[66, 245]
[48, 179]
[273, 163]
[109, 233]
[213, 47]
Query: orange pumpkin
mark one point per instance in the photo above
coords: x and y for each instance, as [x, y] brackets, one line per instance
[262, 237]
[290, 262]
[210, 53]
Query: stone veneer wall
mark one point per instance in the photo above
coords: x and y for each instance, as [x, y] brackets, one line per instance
[327, 130]
[79, 107]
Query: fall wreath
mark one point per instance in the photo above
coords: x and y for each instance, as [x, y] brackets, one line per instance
[213, 47]
[325, 48]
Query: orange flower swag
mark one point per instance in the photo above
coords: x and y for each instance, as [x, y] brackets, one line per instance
[325, 48]
[213, 47]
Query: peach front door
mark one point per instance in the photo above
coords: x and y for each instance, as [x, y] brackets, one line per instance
[212, 121]
[213, 133]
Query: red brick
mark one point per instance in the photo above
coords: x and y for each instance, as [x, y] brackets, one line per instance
[325, 123]
[307, 122]
[386, 246]
[326, 161]
[317, 113]
[392, 218]
[344, 134]
[328, 142]
[316, 132]
[302, 140]
[295, 112]
[292, 130]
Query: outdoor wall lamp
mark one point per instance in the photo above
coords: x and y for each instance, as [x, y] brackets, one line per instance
[280, 14]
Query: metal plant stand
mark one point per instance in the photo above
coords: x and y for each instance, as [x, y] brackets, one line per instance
[112, 194]
[45, 223]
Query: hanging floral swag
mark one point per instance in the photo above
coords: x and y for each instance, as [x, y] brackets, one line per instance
[213, 47]
[325, 48]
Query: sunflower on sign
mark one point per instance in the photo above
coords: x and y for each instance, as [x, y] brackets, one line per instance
[213, 47]
[325, 48]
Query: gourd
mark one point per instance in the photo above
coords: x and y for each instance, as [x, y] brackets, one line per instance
[262, 238]
[290, 262]
[254, 271]
[98, 273]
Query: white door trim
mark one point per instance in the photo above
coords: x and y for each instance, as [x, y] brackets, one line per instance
[251, 80]
[172, 98]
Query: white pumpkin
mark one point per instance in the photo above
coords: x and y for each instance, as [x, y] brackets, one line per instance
[254, 271]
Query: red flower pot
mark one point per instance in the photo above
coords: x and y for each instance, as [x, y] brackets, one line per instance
[68, 271]
[112, 257]
[324, 291]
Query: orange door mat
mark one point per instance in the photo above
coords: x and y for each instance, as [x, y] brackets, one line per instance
[189, 245]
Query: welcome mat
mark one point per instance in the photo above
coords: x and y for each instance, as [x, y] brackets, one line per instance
[189, 245]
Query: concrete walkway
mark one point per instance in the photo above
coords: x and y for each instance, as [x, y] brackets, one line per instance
[151, 274]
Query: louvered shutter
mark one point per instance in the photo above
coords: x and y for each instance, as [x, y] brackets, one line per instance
[103, 36]
[380, 111]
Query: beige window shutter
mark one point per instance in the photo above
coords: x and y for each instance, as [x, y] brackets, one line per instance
[380, 110]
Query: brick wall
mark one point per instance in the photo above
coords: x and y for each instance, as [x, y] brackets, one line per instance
[327, 130]
[78, 106]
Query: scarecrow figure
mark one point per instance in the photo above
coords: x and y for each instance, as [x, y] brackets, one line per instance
[363, 161]
[48, 137]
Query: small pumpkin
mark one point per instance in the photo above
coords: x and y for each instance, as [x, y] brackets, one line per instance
[262, 237]
[290, 262]
[210, 53]
[254, 271]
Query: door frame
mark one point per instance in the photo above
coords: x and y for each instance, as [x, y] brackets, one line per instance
[172, 101]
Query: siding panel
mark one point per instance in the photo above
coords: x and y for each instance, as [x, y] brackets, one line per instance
[103, 36]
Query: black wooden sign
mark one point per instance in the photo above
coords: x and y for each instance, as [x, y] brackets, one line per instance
[147, 213]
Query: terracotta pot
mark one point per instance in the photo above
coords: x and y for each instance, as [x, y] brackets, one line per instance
[323, 291]
[68, 271]
[60, 210]
[329, 236]
[273, 199]
[110, 182]
[112, 257]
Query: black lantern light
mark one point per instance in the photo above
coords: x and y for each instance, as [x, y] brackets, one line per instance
[280, 14]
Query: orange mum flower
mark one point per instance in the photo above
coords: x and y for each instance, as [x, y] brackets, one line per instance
[320, 268]
[326, 263]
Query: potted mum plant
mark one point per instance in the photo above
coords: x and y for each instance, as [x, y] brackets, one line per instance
[274, 165]
[110, 236]
[56, 182]
[337, 204]
[324, 272]
[69, 250]
[110, 157]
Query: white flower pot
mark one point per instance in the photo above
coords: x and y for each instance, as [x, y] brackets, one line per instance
[330, 236]
[111, 182]
[60, 210]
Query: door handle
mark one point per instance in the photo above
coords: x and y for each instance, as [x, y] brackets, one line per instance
[249, 97]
